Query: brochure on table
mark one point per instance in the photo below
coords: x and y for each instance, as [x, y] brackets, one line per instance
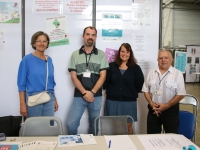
[9, 145]
[76, 140]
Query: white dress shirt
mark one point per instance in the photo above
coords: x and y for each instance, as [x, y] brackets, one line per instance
[163, 88]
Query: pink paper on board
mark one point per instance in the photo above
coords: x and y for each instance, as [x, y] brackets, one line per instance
[110, 54]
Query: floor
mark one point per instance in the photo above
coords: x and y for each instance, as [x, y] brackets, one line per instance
[195, 91]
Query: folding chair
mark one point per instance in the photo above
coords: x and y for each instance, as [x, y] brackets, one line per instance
[187, 119]
[111, 125]
[42, 126]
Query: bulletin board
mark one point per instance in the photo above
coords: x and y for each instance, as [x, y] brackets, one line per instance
[135, 22]
[193, 56]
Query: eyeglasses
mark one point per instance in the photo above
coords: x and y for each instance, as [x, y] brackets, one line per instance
[42, 42]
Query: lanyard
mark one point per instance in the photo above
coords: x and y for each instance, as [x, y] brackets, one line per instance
[160, 80]
[87, 62]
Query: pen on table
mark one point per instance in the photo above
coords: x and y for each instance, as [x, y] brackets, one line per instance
[109, 144]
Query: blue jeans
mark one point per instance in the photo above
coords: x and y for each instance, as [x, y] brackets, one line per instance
[46, 109]
[76, 112]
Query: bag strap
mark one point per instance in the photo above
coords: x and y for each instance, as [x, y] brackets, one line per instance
[47, 73]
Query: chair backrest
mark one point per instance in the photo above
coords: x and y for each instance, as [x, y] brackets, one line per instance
[186, 124]
[111, 125]
[187, 119]
[42, 126]
[190, 100]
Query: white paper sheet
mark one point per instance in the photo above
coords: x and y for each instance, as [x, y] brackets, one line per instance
[119, 142]
[166, 142]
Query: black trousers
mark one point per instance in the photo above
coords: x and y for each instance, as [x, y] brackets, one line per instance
[169, 119]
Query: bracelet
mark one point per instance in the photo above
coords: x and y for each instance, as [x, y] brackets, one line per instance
[92, 92]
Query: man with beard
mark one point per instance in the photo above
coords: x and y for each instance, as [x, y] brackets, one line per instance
[87, 67]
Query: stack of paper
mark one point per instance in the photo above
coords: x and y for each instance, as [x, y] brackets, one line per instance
[38, 145]
[166, 142]
[75, 140]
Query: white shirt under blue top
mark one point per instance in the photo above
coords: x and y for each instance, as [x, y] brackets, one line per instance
[32, 74]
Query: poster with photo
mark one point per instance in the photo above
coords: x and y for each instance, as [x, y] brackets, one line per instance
[193, 65]
[192, 68]
[57, 31]
[189, 60]
[9, 12]
[196, 60]
[112, 27]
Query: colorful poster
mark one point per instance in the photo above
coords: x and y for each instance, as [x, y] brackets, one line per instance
[9, 12]
[47, 7]
[111, 27]
[110, 54]
[57, 30]
[180, 61]
[77, 7]
[75, 140]
[9, 145]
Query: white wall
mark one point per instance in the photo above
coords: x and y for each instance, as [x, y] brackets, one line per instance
[9, 60]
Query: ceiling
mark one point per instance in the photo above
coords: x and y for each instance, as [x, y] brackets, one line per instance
[195, 2]
[167, 2]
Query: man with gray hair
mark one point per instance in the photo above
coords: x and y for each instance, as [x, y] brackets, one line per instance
[163, 89]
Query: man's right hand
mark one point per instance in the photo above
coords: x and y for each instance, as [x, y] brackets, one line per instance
[23, 110]
[153, 106]
[89, 97]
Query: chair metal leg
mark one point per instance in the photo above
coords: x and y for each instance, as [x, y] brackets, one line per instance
[195, 79]
[194, 138]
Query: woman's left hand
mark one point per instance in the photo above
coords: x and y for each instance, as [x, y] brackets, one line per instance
[55, 105]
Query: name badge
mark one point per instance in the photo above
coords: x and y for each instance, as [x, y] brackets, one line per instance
[159, 91]
[86, 74]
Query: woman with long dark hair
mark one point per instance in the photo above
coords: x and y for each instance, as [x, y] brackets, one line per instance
[123, 83]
